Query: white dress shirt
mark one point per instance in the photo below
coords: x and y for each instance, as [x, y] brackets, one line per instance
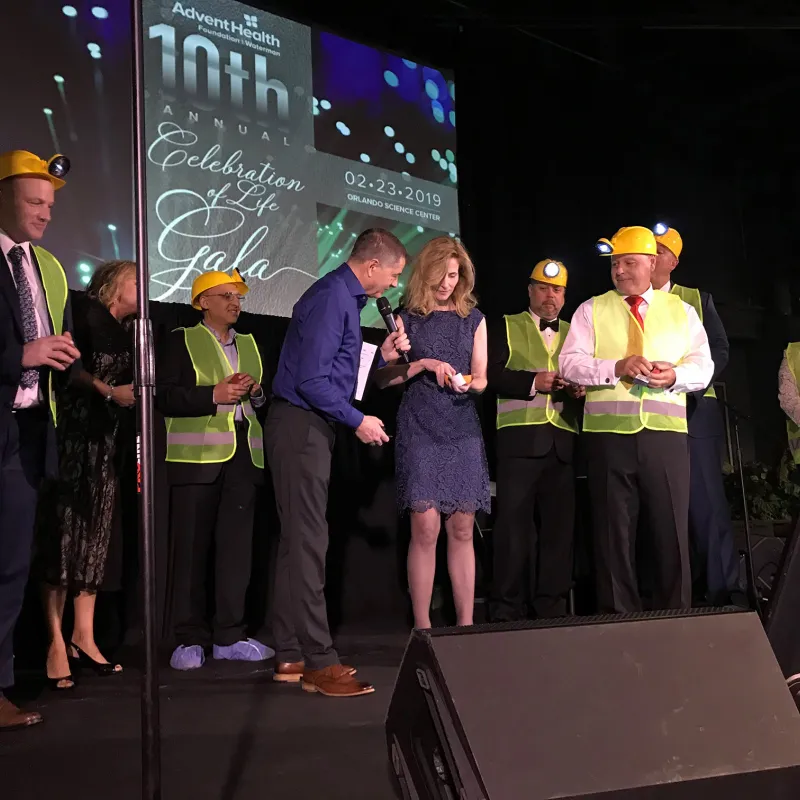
[27, 398]
[550, 337]
[578, 364]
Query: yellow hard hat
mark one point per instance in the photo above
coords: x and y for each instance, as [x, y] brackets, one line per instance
[669, 237]
[549, 271]
[21, 162]
[208, 280]
[635, 239]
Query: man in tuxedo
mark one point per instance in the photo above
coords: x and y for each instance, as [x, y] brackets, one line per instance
[537, 421]
[36, 349]
[710, 528]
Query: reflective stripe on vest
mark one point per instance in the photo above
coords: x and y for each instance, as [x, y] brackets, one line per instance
[692, 298]
[212, 439]
[793, 430]
[527, 351]
[628, 407]
[56, 292]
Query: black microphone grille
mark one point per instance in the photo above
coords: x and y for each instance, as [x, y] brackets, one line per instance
[384, 306]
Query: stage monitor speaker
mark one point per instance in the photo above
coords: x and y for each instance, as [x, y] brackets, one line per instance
[659, 706]
[783, 612]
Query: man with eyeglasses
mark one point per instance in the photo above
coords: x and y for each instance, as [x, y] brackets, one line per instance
[209, 387]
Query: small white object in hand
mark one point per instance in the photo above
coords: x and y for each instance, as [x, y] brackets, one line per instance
[457, 379]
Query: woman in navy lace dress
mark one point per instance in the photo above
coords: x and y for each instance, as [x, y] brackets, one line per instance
[440, 459]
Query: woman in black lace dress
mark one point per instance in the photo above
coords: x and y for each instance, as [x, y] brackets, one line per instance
[95, 428]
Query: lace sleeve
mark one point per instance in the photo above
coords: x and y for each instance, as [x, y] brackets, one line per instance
[788, 394]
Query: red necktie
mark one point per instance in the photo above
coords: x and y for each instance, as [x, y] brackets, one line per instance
[634, 303]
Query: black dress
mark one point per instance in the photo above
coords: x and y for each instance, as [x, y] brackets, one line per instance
[81, 509]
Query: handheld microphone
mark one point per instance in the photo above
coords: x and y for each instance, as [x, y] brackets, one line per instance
[385, 310]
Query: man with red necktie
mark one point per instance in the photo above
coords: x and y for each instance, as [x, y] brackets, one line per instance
[638, 352]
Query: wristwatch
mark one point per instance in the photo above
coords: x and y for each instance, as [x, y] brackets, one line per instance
[110, 394]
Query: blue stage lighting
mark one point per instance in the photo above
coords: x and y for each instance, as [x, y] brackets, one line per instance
[69, 11]
[99, 12]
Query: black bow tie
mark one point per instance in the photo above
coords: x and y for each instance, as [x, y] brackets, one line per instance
[544, 325]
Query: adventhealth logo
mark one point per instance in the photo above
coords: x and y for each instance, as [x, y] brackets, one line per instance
[247, 29]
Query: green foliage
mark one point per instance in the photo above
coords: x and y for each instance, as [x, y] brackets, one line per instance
[773, 493]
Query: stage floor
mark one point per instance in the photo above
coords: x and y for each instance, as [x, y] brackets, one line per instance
[228, 733]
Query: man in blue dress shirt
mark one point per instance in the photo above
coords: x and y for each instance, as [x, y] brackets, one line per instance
[313, 390]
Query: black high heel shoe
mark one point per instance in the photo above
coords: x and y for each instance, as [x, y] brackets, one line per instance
[103, 670]
[52, 683]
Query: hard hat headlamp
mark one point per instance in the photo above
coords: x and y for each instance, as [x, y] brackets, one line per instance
[660, 228]
[604, 248]
[58, 166]
[551, 269]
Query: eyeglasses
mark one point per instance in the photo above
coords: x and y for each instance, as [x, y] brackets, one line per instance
[229, 296]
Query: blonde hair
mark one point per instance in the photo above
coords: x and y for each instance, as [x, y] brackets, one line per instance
[106, 279]
[430, 266]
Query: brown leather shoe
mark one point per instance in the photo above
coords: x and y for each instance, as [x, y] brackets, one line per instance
[292, 671]
[13, 718]
[334, 681]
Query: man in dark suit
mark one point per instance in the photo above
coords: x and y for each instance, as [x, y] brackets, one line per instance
[710, 528]
[35, 346]
[208, 387]
[537, 423]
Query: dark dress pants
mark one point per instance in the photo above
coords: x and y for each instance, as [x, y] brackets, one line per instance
[632, 477]
[523, 486]
[299, 447]
[710, 519]
[214, 518]
[23, 437]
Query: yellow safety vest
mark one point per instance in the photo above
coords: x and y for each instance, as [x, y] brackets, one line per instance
[56, 292]
[212, 439]
[628, 407]
[692, 297]
[793, 430]
[527, 351]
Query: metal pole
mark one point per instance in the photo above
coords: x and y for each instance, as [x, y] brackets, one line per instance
[752, 592]
[145, 386]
